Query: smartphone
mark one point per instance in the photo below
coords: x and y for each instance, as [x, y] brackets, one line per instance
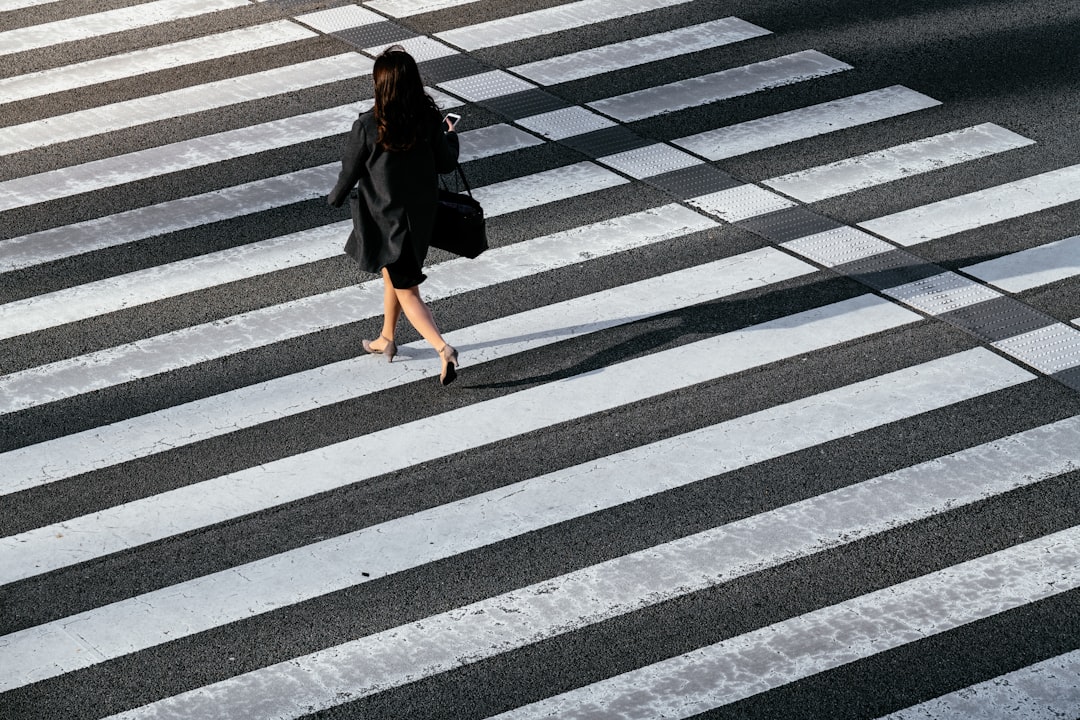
[453, 118]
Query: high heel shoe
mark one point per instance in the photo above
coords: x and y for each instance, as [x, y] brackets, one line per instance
[389, 350]
[450, 361]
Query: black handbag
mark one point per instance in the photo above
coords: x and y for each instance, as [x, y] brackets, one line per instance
[459, 222]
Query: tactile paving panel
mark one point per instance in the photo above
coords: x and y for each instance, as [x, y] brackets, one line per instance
[565, 123]
[376, 34]
[694, 181]
[889, 269]
[839, 246]
[784, 225]
[1052, 349]
[608, 141]
[336, 19]
[740, 203]
[421, 48]
[939, 294]
[526, 103]
[451, 67]
[487, 85]
[658, 159]
[1069, 378]
[998, 319]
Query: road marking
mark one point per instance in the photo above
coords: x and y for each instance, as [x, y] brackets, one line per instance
[184, 155]
[1048, 690]
[1031, 268]
[547, 21]
[498, 624]
[177, 103]
[270, 400]
[981, 208]
[807, 122]
[331, 565]
[897, 162]
[639, 51]
[805, 645]
[230, 202]
[209, 270]
[111, 21]
[161, 57]
[404, 8]
[182, 348]
[722, 85]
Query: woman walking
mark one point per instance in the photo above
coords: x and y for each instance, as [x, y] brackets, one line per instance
[389, 173]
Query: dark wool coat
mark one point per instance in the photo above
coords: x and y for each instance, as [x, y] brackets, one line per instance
[393, 206]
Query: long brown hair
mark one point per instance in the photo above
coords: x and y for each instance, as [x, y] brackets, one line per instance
[403, 108]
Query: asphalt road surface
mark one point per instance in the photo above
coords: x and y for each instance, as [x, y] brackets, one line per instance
[769, 401]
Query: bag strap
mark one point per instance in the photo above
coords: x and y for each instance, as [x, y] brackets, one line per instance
[464, 181]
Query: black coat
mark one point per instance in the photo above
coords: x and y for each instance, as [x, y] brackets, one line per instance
[393, 207]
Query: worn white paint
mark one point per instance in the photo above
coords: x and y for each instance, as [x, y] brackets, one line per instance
[171, 427]
[897, 162]
[82, 27]
[177, 103]
[712, 87]
[1048, 690]
[790, 650]
[183, 155]
[793, 125]
[550, 20]
[639, 51]
[980, 208]
[874, 506]
[1031, 268]
[161, 57]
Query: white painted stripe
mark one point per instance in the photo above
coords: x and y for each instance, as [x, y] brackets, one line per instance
[562, 183]
[375, 663]
[1051, 349]
[111, 21]
[171, 280]
[128, 525]
[639, 51]
[486, 85]
[184, 155]
[6, 5]
[161, 57]
[199, 420]
[740, 203]
[177, 103]
[1049, 690]
[704, 89]
[564, 123]
[807, 122]
[1031, 268]
[260, 258]
[977, 209]
[128, 439]
[404, 8]
[833, 636]
[236, 201]
[550, 20]
[897, 162]
[410, 541]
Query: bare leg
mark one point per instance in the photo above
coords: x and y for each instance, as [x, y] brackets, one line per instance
[391, 311]
[420, 316]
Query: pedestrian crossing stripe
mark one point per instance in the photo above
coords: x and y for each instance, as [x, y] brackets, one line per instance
[1031, 268]
[637, 580]
[161, 57]
[84, 27]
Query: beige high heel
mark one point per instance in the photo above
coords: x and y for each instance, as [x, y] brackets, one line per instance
[449, 372]
[389, 350]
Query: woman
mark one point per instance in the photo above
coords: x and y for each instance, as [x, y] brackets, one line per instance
[393, 158]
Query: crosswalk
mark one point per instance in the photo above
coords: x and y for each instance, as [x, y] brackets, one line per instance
[716, 450]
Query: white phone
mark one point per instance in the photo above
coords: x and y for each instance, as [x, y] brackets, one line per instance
[453, 118]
